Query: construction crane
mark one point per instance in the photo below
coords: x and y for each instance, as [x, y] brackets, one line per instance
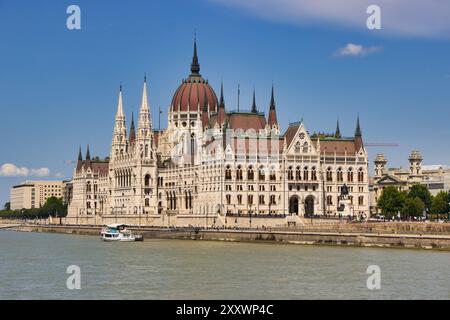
[381, 144]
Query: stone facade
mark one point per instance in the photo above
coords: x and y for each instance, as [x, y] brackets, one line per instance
[34, 194]
[435, 177]
[210, 164]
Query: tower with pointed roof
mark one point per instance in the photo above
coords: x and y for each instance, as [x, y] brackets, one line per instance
[358, 136]
[254, 109]
[119, 141]
[272, 120]
[144, 137]
[337, 134]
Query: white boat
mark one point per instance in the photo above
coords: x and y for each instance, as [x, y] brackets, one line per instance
[118, 232]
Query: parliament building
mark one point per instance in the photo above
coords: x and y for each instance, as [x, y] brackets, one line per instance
[217, 167]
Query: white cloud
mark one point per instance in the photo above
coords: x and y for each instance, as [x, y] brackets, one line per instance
[11, 170]
[41, 172]
[59, 175]
[352, 49]
[423, 18]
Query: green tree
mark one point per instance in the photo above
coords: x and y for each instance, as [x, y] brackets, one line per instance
[413, 207]
[421, 191]
[440, 203]
[53, 206]
[7, 206]
[391, 201]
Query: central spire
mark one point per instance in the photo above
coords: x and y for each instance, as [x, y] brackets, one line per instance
[195, 66]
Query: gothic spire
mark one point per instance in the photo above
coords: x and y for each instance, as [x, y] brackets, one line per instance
[88, 154]
[145, 119]
[272, 100]
[80, 156]
[120, 105]
[195, 66]
[358, 128]
[221, 116]
[338, 131]
[254, 103]
[272, 120]
[221, 101]
[132, 131]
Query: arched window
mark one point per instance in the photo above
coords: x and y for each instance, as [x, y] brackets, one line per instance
[350, 175]
[239, 173]
[146, 150]
[340, 175]
[305, 147]
[88, 187]
[297, 147]
[290, 173]
[272, 199]
[228, 197]
[298, 173]
[329, 200]
[262, 174]
[147, 180]
[272, 175]
[329, 174]
[227, 173]
[250, 173]
[361, 175]
[361, 200]
[314, 174]
[261, 199]
[305, 173]
[250, 199]
[147, 202]
[239, 198]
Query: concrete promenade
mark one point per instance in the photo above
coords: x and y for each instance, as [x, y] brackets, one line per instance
[354, 237]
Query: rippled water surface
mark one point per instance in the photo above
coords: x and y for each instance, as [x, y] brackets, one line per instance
[33, 266]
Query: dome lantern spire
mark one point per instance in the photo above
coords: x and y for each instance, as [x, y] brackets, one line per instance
[195, 66]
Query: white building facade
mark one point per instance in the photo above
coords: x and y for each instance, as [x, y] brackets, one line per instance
[211, 166]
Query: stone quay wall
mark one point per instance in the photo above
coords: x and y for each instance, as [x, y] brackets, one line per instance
[361, 239]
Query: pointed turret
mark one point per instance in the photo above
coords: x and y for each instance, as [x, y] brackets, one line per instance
[272, 120]
[120, 112]
[132, 137]
[358, 136]
[221, 113]
[80, 159]
[88, 154]
[358, 129]
[145, 120]
[120, 130]
[195, 66]
[337, 134]
[254, 110]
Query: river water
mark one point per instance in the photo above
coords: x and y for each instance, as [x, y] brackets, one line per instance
[34, 265]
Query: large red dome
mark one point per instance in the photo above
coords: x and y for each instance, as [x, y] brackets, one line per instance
[192, 94]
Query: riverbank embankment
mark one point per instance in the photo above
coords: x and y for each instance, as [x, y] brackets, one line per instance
[348, 236]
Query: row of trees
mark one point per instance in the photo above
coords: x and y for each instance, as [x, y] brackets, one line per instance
[53, 206]
[414, 203]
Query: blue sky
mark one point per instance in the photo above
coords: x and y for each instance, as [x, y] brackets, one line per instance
[59, 87]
